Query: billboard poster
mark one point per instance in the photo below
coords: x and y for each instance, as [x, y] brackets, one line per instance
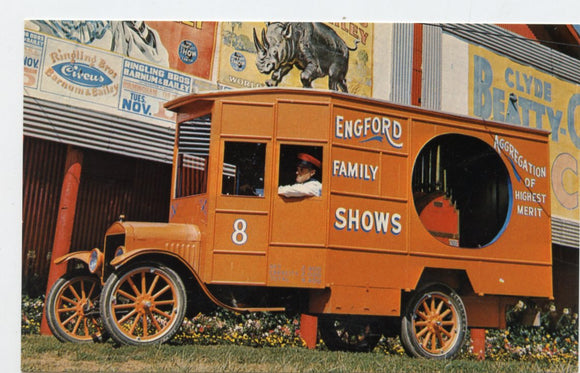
[128, 68]
[296, 54]
[506, 91]
[81, 72]
[33, 47]
[190, 45]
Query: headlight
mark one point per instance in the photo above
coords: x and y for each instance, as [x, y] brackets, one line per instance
[95, 260]
[120, 251]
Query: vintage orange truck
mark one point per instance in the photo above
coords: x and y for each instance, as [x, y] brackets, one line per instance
[423, 224]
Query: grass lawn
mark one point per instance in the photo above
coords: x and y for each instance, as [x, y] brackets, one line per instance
[46, 354]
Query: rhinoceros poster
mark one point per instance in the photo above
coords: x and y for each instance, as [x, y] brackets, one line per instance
[335, 56]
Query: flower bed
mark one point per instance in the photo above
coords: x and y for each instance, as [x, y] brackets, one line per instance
[223, 327]
[31, 315]
[555, 339]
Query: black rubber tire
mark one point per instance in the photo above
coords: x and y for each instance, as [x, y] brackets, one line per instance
[350, 333]
[156, 311]
[72, 309]
[434, 325]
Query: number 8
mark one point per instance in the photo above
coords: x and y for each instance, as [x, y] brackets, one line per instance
[240, 237]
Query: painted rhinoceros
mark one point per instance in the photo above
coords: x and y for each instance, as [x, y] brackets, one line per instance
[314, 48]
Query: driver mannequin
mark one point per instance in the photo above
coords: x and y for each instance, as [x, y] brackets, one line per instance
[306, 185]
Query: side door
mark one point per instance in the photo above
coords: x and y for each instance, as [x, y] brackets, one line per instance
[299, 223]
[242, 213]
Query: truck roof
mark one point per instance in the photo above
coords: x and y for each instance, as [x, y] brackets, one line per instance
[176, 104]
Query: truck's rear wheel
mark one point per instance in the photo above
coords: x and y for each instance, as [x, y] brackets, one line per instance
[349, 333]
[143, 304]
[435, 323]
[72, 309]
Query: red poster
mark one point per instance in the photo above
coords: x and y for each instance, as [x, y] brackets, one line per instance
[190, 45]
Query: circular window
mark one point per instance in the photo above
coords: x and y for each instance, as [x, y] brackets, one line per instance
[462, 191]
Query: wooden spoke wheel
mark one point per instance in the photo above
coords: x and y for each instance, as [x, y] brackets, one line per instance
[349, 333]
[435, 323]
[72, 309]
[143, 304]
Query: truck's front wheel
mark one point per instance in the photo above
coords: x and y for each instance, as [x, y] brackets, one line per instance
[72, 309]
[435, 323]
[143, 304]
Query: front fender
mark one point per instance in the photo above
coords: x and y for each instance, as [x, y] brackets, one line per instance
[83, 256]
[126, 257]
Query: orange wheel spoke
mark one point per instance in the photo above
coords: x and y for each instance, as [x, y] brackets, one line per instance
[85, 326]
[77, 324]
[161, 291]
[433, 342]
[440, 338]
[127, 316]
[447, 333]
[91, 290]
[83, 294]
[70, 318]
[155, 322]
[420, 323]
[421, 314]
[68, 309]
[127, 295]
[164, 314]
[165, 302]
[75, 302]
[132, 330]
[123, 306]
[425, 306]
[447, 312]
[447, 323]
[423, 331]
[426, 340]
[440, 306]
[145, 326]
[153, 284]
[133, 286]
[74, 292]
[143, 283]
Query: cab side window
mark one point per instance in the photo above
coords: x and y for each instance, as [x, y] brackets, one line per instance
[192, 157]
[300, 171]
[243, 168]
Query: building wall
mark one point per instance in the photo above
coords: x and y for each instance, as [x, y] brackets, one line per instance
[454, 72]
[480, 80]
[110, 185]
[43, 165]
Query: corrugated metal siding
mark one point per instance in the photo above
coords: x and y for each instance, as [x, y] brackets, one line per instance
[431, 95]
[194, 136]
[43, 165]
[94, 130]
[518, 48]
[112, 185]
[565, 232]
[402, 63]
